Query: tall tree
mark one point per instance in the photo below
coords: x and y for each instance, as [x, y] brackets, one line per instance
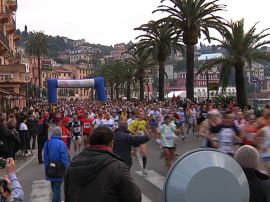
[128, 75]
[37, 45]
[241, 49]
[160, 39]
[140, 61]
[192, 17]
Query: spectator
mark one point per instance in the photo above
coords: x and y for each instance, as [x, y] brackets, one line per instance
[13, 140]
[32, 128]
[6, 193]
[123, 142]
[97, 172]
[24, 136]
[4, 150]
[248, 158]
[56, 150]
[43, 129]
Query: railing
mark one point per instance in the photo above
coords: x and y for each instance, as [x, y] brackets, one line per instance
[4, 40]
[11, 26]
[12, 4]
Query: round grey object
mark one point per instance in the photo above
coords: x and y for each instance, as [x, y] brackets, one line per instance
[206, 175]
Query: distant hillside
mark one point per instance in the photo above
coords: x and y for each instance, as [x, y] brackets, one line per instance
[59, 43]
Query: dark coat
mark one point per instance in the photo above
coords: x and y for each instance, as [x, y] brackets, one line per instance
[123, 142]
[44, 134]
[257, 188]
[32, 126]
[99, 176]
[4, 140]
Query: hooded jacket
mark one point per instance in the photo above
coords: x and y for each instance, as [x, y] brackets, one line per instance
[257, 186]
[98, 175]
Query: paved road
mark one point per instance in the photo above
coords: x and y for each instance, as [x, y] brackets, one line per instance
[36, 189]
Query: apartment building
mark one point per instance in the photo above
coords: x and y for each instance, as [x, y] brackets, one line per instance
[13, 75]
[118, 51]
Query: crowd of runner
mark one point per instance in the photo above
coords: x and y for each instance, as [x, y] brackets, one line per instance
[224, 127]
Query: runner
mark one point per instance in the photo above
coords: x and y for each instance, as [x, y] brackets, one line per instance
[87, 127]
[154, 117]
[191, 118]
[228, 134]
[108, 121]
[76, 129]
[98, 121]
[263, 145]
[168, 135]
[139, 127]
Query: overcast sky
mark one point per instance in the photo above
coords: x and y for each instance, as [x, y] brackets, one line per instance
[112, 21]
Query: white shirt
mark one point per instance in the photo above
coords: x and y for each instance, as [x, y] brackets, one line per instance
[97, 122]
[23, 126]
[107, 123]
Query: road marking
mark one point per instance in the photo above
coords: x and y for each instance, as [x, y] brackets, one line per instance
[26, 163]
[41, 191]
[153, 177]
[145, 199]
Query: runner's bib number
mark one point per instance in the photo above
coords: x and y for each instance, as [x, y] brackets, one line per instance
[87, 125]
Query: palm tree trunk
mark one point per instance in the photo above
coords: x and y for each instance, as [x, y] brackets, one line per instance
[141, 89]
[240, 86]
[117, 90]
[39, 75]
[111, 91]
[161, 72]
[190, 71]
[128, 89]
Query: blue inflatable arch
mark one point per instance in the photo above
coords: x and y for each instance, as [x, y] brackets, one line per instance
[97, 83]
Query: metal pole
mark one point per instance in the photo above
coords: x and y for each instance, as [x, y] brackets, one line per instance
[207, 84]
[255, 93]
[27, 95]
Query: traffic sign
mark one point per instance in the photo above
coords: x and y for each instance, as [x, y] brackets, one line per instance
[254, 79]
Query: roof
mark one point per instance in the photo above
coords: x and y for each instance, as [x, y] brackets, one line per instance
[12, 68]
[61, 69]
[210, 56]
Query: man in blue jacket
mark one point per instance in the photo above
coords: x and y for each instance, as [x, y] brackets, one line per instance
[56, 150]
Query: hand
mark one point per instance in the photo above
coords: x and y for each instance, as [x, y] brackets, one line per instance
[10, 166]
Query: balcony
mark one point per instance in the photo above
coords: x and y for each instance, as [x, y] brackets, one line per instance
[4, 44]
[12, 5]
[11, 26]
[3, 18]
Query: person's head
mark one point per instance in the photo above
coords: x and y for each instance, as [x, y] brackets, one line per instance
[251, 118]
[239, 115]
[140, 115]
[57, 131]
[75, 118]
[100, 114]
[101, 136]
[107, 116]
[167, 119]
[247, 157]
[123, 124]
[228, 118]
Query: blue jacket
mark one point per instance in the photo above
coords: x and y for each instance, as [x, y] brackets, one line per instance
[57, 152]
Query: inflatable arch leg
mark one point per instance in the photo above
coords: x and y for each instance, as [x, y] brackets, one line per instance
[97, 83]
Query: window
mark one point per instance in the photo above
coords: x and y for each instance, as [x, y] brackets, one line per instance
[64, 74]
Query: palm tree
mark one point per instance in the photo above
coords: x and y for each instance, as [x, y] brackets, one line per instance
[191, 17]
[128, 75]
[241, 49]
[140, 61]
[37, 45]
[160, 39]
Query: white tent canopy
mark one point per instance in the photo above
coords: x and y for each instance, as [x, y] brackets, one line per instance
[181, 94]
